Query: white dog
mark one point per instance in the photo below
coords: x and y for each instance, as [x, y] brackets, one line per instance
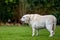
[38, 21]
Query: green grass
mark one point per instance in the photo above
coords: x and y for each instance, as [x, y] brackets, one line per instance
[24, 33]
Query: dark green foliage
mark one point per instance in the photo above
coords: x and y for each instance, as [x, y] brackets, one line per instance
[8, 8]
[46, 7]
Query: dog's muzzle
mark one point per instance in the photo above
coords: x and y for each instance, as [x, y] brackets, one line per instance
[22, 22]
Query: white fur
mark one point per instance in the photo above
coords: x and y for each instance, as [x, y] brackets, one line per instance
[38, 21]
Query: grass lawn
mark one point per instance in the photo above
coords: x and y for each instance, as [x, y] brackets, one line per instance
[24, 33]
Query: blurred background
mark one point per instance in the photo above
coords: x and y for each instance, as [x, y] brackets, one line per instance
[12, 10]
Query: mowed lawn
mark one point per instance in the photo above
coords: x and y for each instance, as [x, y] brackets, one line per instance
[24, 33]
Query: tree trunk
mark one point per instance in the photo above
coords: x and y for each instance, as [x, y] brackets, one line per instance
[22, 7]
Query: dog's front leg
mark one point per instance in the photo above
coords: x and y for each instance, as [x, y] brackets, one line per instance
[37, 32]
[33, 31]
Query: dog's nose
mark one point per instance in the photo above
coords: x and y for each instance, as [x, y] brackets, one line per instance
[20, 19]
[22, 22]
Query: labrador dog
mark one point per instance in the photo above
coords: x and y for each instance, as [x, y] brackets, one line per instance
[38, 22]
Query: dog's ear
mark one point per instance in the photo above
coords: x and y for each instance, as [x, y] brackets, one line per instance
[28, 17]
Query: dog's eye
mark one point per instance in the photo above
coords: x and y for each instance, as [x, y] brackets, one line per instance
[23, 17]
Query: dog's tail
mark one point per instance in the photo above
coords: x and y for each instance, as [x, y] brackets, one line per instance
[54, 24]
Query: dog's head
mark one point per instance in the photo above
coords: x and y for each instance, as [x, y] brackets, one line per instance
[25, 18]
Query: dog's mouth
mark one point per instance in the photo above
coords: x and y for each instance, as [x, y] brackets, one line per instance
[22, 22]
